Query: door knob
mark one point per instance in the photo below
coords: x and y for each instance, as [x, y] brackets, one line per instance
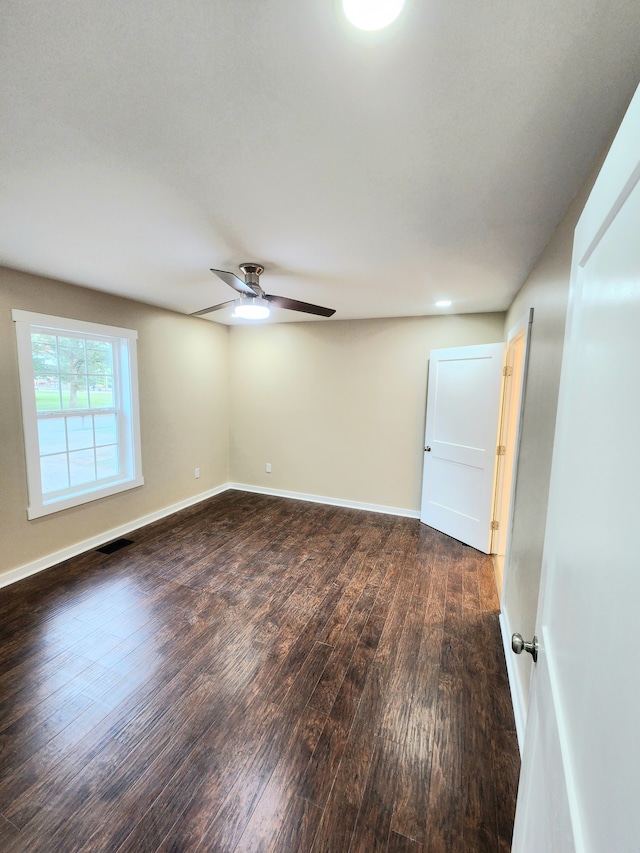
[428, 449]
[519, 645]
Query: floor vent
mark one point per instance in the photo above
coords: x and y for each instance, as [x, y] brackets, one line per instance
[115, 546]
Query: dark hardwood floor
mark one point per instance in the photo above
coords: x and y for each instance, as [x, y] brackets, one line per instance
[256, 673]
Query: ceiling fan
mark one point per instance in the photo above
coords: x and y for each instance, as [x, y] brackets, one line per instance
[254, 303]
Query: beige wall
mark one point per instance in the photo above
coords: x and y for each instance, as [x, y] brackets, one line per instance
[183, 379]
[546, 290]
[338, 407]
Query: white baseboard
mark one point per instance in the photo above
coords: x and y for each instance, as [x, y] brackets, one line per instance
[515, 685]
[14, 575]
[43, 563]
[322, 499]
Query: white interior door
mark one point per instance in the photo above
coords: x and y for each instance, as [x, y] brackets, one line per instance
[463, 409]
[581, 765]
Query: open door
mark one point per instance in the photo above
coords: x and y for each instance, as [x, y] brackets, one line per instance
[581, 765]
[463, 409]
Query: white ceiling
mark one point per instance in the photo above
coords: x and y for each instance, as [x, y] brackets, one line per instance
[145, 141]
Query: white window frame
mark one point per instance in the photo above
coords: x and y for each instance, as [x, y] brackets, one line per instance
[126, 407]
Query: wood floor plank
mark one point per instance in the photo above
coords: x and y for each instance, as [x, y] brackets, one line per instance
[274, 806]
[393, 723]
[323, 764]
[9, 835]
[349, 695]
[330, 681]
[444, 816]
[411, 800]
[335, 830]
[343, 805]
[443, 821]
[480, 807]
[255, 673]
[402, 844]
[373, 826]
[298, 828]
[506, 768]
[349, 598]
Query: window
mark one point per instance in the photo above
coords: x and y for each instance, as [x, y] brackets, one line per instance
[79, 391]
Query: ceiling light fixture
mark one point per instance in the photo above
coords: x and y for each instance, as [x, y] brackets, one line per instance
[251, 308]
[443, 303]
[372, 14]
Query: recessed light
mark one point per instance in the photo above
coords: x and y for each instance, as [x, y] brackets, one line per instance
[443, 303]
[372, 14]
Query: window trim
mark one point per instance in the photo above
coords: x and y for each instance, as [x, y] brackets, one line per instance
[38, 505]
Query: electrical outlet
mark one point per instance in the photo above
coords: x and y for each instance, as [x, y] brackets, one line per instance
[267, 467]
[196, 473]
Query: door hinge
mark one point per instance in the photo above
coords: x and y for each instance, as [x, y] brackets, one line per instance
[507, 370]
[501, 450]
[495, 525]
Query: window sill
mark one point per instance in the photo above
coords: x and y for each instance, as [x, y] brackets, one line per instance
[71, 501]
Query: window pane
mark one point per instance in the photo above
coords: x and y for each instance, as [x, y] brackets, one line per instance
[107, 461]
[71, 342]
[53, 471]
[99, 357]
[48, 393]
[74, 392]
[51, 436]
[106, 429]
[44, 352]
[80, 432]
[71, 355]
[101, 392]
[82, 467]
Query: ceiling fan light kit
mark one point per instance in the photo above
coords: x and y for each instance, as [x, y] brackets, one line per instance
[251, 308]
[372, 14]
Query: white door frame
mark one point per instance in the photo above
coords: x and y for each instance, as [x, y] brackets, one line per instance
[524, 324]
[522, 327]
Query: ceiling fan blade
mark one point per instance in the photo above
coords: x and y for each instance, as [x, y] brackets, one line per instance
[296, 305]
[233, 281]
[213, 308]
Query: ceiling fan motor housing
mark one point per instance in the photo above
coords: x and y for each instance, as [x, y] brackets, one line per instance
[252, 273]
